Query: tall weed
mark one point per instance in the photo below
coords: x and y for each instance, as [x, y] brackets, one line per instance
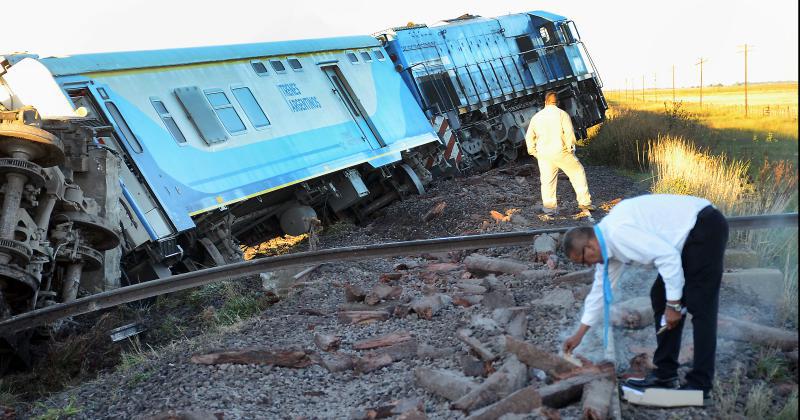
[680, 167]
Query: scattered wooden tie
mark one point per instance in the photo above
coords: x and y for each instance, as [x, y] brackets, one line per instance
[290, 358]
[383, 341]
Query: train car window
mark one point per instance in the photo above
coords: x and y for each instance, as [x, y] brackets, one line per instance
[379, 55]
[166, 117]
[259, 68]
[295, 64]
[352, 57]
[125, 131]
[251, 107]
[277, 66]
[365, 56]
[225, 111]
[102, 93]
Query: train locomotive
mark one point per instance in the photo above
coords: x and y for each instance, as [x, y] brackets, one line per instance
[480, 80]
[117, 168]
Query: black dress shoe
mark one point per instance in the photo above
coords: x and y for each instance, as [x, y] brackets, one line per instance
[653, 381]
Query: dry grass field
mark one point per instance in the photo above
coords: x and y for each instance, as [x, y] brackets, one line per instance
[768, 132]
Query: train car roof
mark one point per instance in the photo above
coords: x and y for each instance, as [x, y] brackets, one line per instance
[113, 61]
[467, 19]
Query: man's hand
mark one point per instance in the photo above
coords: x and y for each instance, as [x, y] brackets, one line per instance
[572, 342]
[672, 317]
[575, 340]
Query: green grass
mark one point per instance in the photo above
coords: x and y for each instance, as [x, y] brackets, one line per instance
[759, 401]
[58, 413]
[725, 399]
[238, 308]
[771, 366]
[789, 410]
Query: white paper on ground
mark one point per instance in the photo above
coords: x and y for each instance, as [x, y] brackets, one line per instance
[662, 397]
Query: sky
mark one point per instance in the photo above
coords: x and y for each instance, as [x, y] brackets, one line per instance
[628, 40]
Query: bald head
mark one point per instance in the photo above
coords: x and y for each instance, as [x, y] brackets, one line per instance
[550, 98]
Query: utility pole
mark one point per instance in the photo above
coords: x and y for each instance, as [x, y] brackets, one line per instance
[745, 75]
[700, 63]
[642, 88]
[673, 83]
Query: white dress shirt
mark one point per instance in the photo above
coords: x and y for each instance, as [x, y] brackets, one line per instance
[649, 230]
[550, 133]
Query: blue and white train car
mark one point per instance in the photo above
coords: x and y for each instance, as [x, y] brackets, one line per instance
[214, 145]
[481, 79]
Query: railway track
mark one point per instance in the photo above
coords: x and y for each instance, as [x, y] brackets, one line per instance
[394, 249]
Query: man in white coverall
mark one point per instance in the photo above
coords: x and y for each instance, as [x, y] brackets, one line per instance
[551, 140]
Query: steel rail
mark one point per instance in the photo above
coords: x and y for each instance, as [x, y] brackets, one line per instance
[231, 271]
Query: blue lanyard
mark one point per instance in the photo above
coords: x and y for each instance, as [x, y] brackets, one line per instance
[608, 297]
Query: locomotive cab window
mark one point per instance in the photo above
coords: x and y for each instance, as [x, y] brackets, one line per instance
[168, 121]
[295, 64]
[251, 107]
[352, 57]
[259, 68]
[379, 55]
[225, 112]
[366, 57]
[544, 34]
[278, 66]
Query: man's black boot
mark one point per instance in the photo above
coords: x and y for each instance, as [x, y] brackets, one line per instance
[653, 381]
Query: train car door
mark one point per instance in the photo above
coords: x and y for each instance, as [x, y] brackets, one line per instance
[342, 89]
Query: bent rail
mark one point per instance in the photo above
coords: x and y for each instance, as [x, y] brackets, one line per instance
[393, 249]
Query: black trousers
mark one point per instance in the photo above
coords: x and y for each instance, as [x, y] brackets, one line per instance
[702, 257]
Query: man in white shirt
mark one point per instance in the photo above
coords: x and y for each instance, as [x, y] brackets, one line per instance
[551, 140]
[684, 237]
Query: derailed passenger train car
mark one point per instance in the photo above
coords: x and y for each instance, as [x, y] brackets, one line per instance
[166, 160]
[480, 80]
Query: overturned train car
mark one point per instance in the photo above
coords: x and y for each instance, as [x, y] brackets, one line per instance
[117, 168]
[480, 80]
